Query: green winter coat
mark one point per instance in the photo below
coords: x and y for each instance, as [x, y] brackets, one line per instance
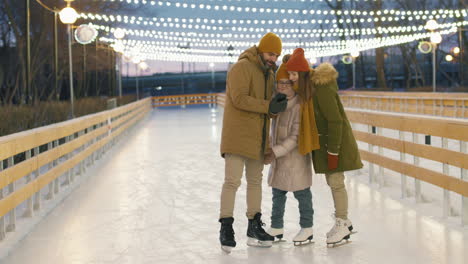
[246, 123]
[335, 132]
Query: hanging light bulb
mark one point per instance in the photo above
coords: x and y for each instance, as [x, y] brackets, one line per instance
[436, 38]
[119, 33]
[143, 65]
[68, 15]
[431, 25]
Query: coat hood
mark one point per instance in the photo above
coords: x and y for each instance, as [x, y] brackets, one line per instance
[252, 55]
[325, 73]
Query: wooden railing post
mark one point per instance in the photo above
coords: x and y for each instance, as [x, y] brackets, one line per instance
[11, 189]
[29, 203]
[381, 168]
[37, 195]
[417, 183]
[464, 176]
[446, 201]
[56, 181]
[404, 193]
[370, 148]
[2, 218]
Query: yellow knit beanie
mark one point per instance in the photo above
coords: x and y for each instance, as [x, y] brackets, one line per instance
[282, 72]
[270, 42]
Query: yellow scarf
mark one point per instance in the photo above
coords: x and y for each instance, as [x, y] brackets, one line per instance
[308, 133]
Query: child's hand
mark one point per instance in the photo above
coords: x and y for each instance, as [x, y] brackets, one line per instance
[269, 157]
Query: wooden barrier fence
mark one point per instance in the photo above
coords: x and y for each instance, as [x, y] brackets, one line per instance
[53, 155]
[184, 99]
[436, 104]
[445, 128]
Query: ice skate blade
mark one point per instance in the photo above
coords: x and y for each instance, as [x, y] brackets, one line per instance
[258, 243]
[303, 243]
[279, 240]
[226, 249]
[338, 244]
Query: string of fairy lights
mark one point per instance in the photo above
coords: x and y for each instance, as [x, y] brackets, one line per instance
[205, 40]
[309, 33]
[157, 51]
[224, 40]
[248, 9]
[399, 15]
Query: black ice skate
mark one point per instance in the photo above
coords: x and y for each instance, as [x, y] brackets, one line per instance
[257, 237]
[226, 234]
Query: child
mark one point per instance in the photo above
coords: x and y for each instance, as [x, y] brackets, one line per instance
[338, 150]
[290, 170]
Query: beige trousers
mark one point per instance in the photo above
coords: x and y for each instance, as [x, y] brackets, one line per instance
[234, 167]
[340, 196]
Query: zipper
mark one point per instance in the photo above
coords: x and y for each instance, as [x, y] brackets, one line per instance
[264, 115]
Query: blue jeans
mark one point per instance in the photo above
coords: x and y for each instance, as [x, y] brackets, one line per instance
[306, 210]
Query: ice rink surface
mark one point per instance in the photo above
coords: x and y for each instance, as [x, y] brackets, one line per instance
[155, 199]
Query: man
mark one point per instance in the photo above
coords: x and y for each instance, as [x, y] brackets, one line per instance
[246, 125]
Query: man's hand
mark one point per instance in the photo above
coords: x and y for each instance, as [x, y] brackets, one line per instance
[278, 104]
[332, 161]
[269, 157]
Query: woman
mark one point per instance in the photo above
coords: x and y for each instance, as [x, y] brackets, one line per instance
[338, 150]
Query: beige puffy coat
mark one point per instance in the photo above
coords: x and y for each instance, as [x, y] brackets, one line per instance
[246, 123]
[291, 171]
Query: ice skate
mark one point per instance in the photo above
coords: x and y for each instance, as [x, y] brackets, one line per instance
[348, 223]
[226, 234]
[304, 237]
[277, 233]
[257, 237]
[339, 233]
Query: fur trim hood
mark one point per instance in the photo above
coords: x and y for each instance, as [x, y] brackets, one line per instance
[324, 74]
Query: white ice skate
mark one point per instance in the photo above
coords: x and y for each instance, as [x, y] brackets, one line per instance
[348, 223]
[304, 236]
[277, 233]
[253, 242]
[338, 233]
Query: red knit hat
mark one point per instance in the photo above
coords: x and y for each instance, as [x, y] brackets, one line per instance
[298, 62]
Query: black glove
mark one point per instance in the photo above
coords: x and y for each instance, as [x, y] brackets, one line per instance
[278, 104]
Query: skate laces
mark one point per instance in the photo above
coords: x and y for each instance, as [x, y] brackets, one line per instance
[334, 229]
[260, 224]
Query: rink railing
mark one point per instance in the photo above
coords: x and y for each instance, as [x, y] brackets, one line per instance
[184, 99]
[53, 156]
[436, 104]
[453, 130]
[446, 128]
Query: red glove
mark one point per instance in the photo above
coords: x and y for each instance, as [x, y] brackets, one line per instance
[332, 161]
